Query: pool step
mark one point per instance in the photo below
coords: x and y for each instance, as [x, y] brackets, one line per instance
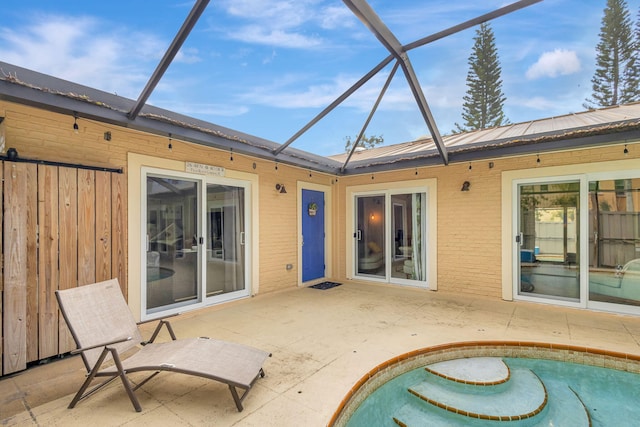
[523, 396]
[485, 392]
[473, 370]
[563, 409]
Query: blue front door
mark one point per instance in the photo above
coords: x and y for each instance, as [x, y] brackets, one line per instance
[312, 235]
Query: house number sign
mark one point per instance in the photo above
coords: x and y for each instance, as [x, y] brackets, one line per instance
[201, 169]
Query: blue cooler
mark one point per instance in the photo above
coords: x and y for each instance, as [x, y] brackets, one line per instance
[527, 255]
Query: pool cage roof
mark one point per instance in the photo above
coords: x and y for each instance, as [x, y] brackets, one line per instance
[590, 128]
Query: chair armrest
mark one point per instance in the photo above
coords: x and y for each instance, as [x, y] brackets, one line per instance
[157, 331]
[117, 341]
[158, 318]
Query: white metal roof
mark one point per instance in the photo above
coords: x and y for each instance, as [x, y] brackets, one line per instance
[560, 125]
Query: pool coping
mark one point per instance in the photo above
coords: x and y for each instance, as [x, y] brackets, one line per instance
[406, 362]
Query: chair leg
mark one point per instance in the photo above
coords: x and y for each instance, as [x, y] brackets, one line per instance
[125, 380]
[92, 374]
[236, 398]
[239, 399]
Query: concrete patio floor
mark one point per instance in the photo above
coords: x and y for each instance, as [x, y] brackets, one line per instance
[323, 342]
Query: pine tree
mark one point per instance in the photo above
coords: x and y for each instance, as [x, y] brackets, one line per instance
[632, 77]
[616, 78]
[484, 101]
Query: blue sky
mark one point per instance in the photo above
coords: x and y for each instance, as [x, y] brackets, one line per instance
[267, 67]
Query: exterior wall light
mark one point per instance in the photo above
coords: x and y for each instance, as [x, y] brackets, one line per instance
[76, 128]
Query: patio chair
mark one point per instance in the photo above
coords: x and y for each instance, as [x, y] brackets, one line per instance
[111, 346]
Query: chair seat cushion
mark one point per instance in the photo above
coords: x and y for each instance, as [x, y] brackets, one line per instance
[230, 362]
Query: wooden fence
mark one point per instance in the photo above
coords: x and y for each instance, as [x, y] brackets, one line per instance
[61, 227]
[618, 240]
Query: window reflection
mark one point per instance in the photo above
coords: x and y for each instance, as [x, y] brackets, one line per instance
[614, 241]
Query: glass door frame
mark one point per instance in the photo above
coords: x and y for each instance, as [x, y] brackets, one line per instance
[583, 229]
[245, 239]
[202, 206]
[583, 217]
[389, 238]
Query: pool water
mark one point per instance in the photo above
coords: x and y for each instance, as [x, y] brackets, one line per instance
[158, 273]
[577, 395]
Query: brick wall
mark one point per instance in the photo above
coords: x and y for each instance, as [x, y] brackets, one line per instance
[469, 223]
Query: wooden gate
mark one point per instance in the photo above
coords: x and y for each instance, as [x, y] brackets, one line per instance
[62, 227]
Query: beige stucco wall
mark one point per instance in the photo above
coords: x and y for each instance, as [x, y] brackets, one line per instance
[470, 246]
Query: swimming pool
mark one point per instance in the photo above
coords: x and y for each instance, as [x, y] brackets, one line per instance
[540, 384]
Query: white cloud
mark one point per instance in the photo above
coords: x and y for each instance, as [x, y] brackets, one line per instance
[552, 64]
[535, 103]
[333, 17]
[73, 48]
[280, 13]
[273, 37]
[188, 56]
[281, 94]
[291, 92]
[269, 59]
[197, 109]
[284, 23]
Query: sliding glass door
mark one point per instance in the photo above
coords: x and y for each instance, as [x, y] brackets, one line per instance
[195, 231]
[614, 241]
[390, 235]
[172, 257]
[225, 240]
[575, 256]
[549, 240]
